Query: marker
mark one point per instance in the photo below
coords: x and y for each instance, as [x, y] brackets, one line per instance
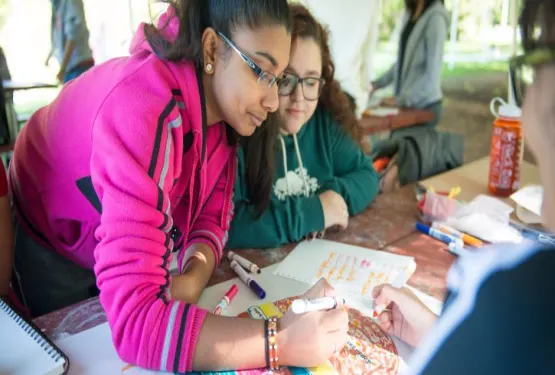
[438, 235]
[247, 279]
[456, 249]
[301, 306]
[245, 263]
[378, 309]
[469, 240]
[226, 300]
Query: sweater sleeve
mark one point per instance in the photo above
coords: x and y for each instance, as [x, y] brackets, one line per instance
[434, 40]
[283, 221]
[135, 151]
[355, 178]
[212, 225]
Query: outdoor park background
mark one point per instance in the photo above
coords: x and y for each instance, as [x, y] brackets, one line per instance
[474, 70]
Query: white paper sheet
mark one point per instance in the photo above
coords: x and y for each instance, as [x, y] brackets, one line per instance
[352, 270]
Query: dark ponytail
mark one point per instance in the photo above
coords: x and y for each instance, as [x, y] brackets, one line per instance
[226, 16]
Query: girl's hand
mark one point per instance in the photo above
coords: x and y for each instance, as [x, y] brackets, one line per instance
[406, 317]
[335, 210]
[309, 340]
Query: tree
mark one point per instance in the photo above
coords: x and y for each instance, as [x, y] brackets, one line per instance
[4, 9]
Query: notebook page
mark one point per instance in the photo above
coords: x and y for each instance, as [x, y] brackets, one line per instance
[20, 354]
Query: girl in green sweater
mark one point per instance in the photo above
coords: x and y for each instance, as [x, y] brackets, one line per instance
[322, 175]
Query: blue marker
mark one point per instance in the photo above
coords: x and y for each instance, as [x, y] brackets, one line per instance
[247, 279]
[439, 235]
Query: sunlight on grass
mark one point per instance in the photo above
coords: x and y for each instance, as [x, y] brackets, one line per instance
[461, 69]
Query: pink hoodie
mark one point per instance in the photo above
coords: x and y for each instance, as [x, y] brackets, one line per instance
[115, 173]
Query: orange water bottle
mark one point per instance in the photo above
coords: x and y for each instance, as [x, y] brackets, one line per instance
[506, 149]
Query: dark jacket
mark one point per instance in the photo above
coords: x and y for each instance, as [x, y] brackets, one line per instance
[423, 154]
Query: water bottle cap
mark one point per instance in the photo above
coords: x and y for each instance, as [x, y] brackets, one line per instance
[509, 110]
[505, 109]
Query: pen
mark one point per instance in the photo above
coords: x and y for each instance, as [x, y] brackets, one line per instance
[469, 240]
[245, 263]
[247, 279]
[438, 235]
[539, 235]
[301, 306]
[226, 300]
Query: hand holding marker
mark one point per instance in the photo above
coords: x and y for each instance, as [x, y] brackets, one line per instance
[301, 306]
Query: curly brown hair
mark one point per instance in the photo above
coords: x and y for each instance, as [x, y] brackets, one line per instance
[538, 15]
[332, 97]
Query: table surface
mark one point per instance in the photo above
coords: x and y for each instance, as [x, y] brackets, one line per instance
[388, 225]
[384, 226]
[473, 179]
[21, 85]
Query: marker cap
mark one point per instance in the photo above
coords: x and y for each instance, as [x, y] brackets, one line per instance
[233, 291]
[257, 290]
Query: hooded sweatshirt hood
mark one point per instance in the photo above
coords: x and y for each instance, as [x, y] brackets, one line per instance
[168, 25]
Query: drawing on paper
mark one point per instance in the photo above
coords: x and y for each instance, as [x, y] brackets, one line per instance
[359, 274]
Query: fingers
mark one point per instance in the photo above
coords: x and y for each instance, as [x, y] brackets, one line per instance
[384, 294]
[336, 319]
[321, 289]
[385, 320]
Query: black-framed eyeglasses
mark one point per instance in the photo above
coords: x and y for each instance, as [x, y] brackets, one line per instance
[311, 86]
[266, 79]
[522, 70]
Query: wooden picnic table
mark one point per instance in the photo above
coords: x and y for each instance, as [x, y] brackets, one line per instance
[405, 118]
[388, 225]
[473, 179]
[384, 226]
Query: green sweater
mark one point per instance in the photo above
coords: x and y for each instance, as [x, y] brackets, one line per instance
[331, 160]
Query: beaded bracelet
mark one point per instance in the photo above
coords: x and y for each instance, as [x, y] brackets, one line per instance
[272, 347]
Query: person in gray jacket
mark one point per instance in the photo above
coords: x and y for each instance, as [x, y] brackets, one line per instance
[416, 74]
[70, 39]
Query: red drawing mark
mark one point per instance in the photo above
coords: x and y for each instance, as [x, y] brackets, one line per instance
[365, 263]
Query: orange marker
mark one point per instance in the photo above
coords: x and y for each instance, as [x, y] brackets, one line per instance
[469, 240]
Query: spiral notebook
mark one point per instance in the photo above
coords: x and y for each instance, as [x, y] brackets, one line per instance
[24, 349]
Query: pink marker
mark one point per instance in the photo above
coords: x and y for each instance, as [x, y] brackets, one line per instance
[226, 300]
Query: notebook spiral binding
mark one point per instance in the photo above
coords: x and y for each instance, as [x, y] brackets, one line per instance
[36, 334]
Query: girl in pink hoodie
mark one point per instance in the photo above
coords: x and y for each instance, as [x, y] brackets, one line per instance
[136, 159]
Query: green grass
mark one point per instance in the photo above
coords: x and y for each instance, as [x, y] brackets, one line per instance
[462, 69]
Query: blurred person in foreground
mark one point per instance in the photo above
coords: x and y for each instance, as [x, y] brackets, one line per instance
[498, 316]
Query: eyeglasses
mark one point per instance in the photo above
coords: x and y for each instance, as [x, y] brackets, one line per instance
[266, 79]
[522, 70]
[311, 86]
